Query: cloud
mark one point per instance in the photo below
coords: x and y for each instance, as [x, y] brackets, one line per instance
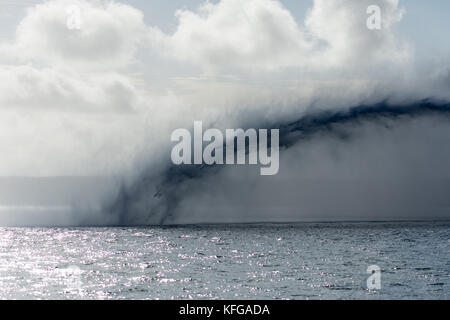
[51, 66]
[252, 32]
[98, 100]
[371, 163]
[67, 107]
[64, 90]
[263, 34]
[108, 34]
[342, 26]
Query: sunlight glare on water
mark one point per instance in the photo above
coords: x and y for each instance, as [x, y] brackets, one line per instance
[300, 261]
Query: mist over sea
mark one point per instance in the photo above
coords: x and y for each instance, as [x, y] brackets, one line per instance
[253, 261]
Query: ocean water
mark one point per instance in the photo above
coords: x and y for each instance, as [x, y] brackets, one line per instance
[261, 261]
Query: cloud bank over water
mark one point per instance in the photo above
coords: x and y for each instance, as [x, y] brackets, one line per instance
[366, 127]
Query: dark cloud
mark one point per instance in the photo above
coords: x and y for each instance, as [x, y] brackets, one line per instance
[369, 162]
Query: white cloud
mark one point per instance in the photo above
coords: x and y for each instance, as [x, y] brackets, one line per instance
[252, 32]
[67, 104]
[341, 24]
[64, 90]
[108, 36]
[263, 34]
[49, 66]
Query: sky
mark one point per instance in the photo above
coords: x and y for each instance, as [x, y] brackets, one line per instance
[425, 23]
[102, 100]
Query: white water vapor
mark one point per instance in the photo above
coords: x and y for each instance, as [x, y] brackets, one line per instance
[101, 103]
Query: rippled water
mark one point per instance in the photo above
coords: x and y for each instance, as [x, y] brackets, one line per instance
[301, 261]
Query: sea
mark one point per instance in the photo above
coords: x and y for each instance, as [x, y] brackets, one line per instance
[250, 261]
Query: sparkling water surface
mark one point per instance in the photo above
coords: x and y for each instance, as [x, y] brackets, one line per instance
[261, 261]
